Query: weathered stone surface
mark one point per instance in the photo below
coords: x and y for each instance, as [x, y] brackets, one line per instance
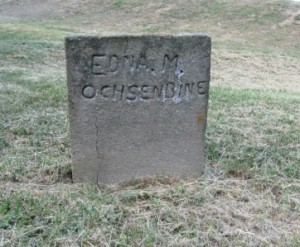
[137, 105]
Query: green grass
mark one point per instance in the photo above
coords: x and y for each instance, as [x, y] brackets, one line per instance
[254, 132]
[32, 106]
[118, 3]
[230, 12]
[249, 194]
[293, 51]
[32, 31]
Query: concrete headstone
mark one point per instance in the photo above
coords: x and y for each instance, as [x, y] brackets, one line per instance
[137, 105]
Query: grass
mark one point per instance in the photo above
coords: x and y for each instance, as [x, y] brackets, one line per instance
[254, 132]
[250, 131]
[249, 194]
[153, 212]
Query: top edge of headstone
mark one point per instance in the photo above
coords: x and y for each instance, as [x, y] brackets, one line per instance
[141, 35]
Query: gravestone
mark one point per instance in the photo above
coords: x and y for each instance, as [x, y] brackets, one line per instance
[137, 105]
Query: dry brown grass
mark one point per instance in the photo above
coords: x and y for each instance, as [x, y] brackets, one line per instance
[244, 69]
[174, 213]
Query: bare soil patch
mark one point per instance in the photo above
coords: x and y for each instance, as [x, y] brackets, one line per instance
[35, 8]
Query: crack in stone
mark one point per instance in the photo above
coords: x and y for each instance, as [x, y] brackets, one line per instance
[97, 148]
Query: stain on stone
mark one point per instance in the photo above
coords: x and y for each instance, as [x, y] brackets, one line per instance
[200, 119]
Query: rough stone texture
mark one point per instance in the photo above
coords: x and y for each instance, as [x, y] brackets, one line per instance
[137, 105]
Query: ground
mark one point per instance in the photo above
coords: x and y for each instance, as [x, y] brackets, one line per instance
[249, 194]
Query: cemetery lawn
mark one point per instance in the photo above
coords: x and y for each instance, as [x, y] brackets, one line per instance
[250, 192]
